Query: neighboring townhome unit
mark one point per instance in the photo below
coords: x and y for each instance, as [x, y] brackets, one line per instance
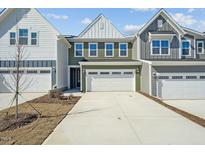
[44, 64]
[173, 59]
[101, 59]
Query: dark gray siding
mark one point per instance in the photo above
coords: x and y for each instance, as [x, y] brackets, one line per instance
[145, 44]
[174, 44]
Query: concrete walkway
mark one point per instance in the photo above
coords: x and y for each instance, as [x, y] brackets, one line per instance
[5, 98]
[196, 107]
[124, 118]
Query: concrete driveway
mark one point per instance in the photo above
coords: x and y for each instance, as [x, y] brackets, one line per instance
[196, 107]
[5, 98]
[124, 118]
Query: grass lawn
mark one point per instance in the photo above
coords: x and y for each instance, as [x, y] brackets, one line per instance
[52, 110]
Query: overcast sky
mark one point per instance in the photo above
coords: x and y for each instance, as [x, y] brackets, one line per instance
[128, 21]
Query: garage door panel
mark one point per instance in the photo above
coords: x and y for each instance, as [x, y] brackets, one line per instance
[35, 82]
[111, 82]
[182, 89]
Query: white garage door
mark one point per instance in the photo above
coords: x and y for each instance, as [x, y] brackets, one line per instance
[182, 86]
[110, 80]
[31, 81]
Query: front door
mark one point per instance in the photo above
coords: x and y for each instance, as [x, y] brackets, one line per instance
[75, 77]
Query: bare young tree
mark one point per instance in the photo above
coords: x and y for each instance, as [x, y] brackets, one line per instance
[17, 82]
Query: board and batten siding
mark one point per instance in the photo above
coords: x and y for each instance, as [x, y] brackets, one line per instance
[102, 28]
[145, 50]
[34, 22]
[101, 53]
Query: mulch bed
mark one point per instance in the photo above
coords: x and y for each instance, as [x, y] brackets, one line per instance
[198, 120]
[37, 119]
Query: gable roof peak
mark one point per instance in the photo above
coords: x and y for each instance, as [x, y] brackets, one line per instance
[169, 18]
[95, 26]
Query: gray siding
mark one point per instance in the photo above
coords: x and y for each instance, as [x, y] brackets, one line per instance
[145, 49]
[145, 44]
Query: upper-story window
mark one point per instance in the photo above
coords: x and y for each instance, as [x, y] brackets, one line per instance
[23, 36]
[12, 38]
[93, 49]
[185, 47]
[109, 47]
[160, 47]
[33, 38]
[159, 23]
[78, 49]
[200, 47]
[123, 49]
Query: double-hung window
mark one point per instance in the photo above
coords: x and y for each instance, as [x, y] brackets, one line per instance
[93, 49]
[185, 47]
[33, 38]
[160, 47]
[200, 47]
[23, 36]
[78, 49]
[109, 47]
[164, 47]
[12, 38]
[123, 49]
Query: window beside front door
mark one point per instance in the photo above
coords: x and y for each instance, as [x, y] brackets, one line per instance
[78, 50]
[186, 48]
[123, 50]
[109, 47]
[200, 47]
[93, 49]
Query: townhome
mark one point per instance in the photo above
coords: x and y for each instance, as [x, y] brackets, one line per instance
[101, 59]
[173, 59]
[44, 50]
[162, 59]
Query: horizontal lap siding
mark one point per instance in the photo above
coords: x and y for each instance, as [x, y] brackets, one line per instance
[30, 19]
[101, 53]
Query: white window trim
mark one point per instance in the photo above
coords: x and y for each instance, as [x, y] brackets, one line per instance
[37, 38]
[96, 49]
[126, 50]
[189, 47]
[28, 36]
[160, 48]
[12, 38]
[112, 50]
[202, 47]
[75, 50]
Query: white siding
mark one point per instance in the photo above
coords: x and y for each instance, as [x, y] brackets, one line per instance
[95, 31]
[62, 65]
[33, 21]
